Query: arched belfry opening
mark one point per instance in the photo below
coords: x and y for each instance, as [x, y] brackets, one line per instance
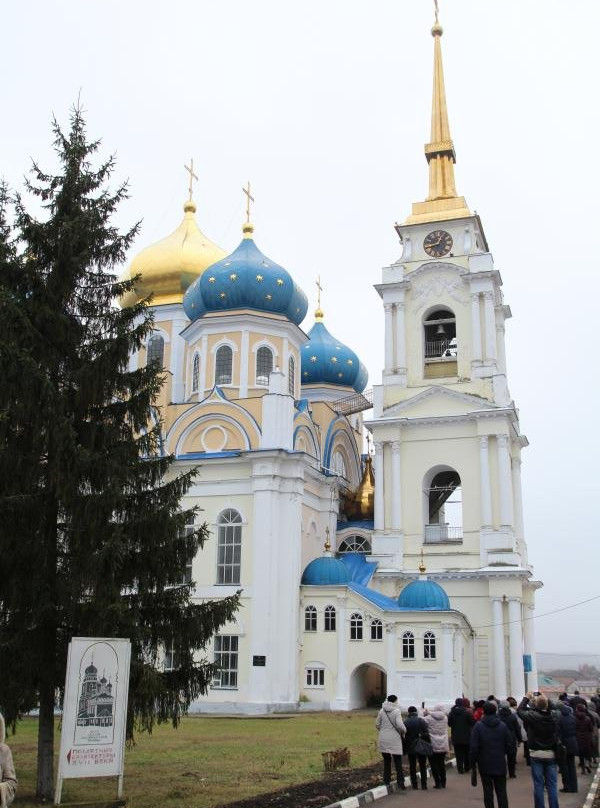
[368, 684]
[440, 348]
[443, 502]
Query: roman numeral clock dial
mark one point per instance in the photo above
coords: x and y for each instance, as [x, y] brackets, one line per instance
[437, 243]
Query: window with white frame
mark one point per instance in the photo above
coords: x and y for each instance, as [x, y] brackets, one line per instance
[408, 645]
[429, 645]
[315, 677]
[376, 630]
[338, 464]
[229, 547]
[185, 576]
[155, 353]
[355, 544]
[330, 618]
[291, 376]
[310, 618]
[264, 365]
[171, 661]
[226, 657]
[223, 365]
[356, 626]
[195, 373]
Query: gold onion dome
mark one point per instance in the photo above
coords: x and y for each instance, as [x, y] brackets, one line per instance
[169, 266]
[360, 504]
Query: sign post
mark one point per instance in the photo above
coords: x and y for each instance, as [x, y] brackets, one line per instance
[92, 739]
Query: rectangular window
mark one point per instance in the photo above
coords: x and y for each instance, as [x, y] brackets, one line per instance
[315, 677]
[229, 554]
[226, 657]
[171, 662]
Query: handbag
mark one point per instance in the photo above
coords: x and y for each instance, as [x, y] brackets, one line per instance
[560, 752]
[423, 747]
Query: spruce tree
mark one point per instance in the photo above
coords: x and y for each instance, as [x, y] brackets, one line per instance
[91, 526]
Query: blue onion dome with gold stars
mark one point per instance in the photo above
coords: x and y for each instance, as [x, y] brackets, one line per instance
[246, 279]
[326, 360]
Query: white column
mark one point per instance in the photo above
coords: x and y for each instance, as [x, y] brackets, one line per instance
[484, 482]
[499, 661]
[396, 492]
[490, 326]
[177, 360]
[390, 656]
[379, 505]
[475, 328]
[400, 338]
[447, 662]
[529, 642]
[501, 347]
[341, 690]
[244, 363]
[517, 496]
[505, 481]
[203, 366]
[389, 339]
[515, 645]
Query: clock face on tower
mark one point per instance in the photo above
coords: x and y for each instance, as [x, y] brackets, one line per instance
[437, 243]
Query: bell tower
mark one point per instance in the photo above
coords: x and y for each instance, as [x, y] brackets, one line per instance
[446, 431]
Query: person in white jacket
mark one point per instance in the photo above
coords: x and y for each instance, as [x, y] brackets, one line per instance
[8, 777]
[437, 724]
[391, 730]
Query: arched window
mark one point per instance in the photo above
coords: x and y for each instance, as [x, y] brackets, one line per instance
[429, 645]
[156, 350]
[338, 464]
[292, 377]
[195, 373]
[264, 365]
[356, 626]
[355, 544]
[444, 509]
[310, 618]
[408, 645]
[223, 365]
[440, 335]
[229, 547]
[329, 618]
[376, 630]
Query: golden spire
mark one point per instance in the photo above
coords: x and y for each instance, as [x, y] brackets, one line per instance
[319, 311]
[327, 542]
[360, 504]
[442, 202]
[248, 227]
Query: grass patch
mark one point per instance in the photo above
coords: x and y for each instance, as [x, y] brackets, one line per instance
[213, 760]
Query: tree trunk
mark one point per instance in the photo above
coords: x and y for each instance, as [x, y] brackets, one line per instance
[45, 758]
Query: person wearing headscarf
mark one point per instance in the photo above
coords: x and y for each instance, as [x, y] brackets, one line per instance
[437, 724]
[391, 729]
[567, 732]
[584, 730]
[8, 777]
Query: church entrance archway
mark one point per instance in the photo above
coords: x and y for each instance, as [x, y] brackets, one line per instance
[368, 685]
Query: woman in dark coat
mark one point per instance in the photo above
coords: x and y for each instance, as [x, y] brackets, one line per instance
[567, 732]
[584, 731]
[510, 720]
[460, 721]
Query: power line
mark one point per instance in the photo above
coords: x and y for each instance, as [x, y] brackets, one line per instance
[545, 614]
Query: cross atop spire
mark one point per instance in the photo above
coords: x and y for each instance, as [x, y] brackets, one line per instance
[248, 227]
[319, 311]
[190, 170]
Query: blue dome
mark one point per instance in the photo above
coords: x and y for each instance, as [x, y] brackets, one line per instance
[246, 279]
[424, 594]
[325, 360]
[324, 571]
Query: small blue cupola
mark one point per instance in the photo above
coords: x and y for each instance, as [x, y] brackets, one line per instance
[246, 279]
[326, 570]
[424, 595]
[326, 360]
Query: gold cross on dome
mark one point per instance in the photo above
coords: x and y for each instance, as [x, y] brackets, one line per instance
[368, 443]
[437, 10]
[190, 170]
[249, 199]
[319, 290]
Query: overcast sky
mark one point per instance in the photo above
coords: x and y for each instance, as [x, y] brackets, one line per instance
[324, 106]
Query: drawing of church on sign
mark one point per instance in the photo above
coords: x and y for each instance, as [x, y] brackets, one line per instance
[95, 700]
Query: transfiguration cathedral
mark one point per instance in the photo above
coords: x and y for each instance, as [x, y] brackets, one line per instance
[403, 569]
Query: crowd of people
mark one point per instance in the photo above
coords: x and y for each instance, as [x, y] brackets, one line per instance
[485, 737]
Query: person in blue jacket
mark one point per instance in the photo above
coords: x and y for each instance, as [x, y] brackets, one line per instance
[491, 742]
